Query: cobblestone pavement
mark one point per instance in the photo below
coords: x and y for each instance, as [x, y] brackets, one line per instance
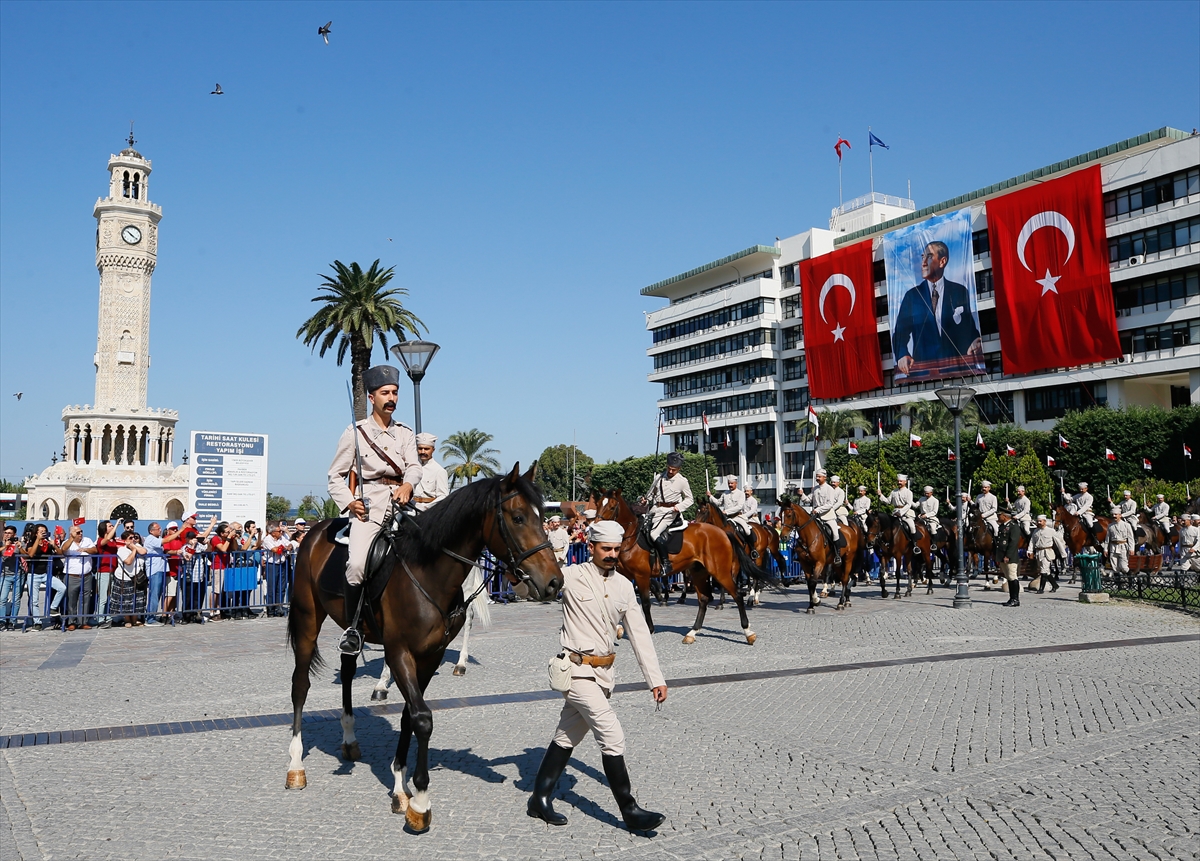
[1069, 754]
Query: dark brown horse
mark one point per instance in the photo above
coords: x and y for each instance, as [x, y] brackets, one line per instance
[761, 546]
[707, 554]
[420, 611]
[978, 539]
[1153, 535]
[886, 534]
[811, 548]
[1076, 534]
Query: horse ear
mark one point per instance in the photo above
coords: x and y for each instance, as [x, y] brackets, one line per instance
[532, 472]
[511, 478]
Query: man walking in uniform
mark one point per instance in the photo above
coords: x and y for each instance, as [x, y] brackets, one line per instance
[1189, 541]
[1008, 554]
[434, 485]
[669, 496]
[1119, 542]
[1047, 545]
[389, 472]
[594, 603]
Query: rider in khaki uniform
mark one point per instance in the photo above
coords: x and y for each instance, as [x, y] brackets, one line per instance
[434, 486]
[1021, 511]
[669, 497]
[901, 501]
[390, 471]
[595, 600]
[1120, 542]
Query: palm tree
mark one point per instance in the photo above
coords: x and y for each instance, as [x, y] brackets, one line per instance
[836, 425]
[467, 447]
[357, 310]
[932, 416]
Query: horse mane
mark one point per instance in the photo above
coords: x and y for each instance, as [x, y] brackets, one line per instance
[449, 522]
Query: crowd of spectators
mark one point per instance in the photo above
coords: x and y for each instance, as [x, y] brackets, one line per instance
[179, 572]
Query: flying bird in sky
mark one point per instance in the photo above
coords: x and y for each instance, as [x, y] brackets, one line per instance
[323, 32]
[17, 395]
[218, 91]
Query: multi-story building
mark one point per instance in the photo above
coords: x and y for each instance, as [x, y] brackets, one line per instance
[730, 345]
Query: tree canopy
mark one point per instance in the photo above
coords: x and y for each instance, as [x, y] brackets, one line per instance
[634, 475]
[470, 457]
[554, 472]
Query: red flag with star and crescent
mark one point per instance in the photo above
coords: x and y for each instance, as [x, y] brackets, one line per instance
[839, 323]
[1054, 300]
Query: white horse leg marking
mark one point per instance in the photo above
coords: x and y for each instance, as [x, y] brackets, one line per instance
[385, 678]
[296, 752]
[420, 801]
[348, 729]
[400, 778]
[460, 668]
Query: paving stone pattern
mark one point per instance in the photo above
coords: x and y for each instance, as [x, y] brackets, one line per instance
[1050, 755]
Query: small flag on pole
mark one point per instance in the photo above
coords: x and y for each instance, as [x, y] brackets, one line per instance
[1108, 454]
[853, 449]
[814, 421]
[837, 147]
[950, 454]
[1049, 461]
[1146, 465]
[914, 441]
[704, 422]
[728, 438]
[1010, 451]
[1062, 441]
[1187, 451]
[875, 141]
[879, 429]
[662, 425]
[979, 440]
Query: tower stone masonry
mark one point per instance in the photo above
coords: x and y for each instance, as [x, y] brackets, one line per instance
[118, 454]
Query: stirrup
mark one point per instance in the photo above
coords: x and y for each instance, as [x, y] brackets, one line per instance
[351, 642]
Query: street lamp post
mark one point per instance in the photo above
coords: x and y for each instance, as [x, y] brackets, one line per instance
[955, 399]
[415, 356]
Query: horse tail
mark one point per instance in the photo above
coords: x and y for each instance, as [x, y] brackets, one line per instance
[749, 568]
[480, 602]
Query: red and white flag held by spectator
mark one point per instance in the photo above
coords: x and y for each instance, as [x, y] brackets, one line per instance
[1010, 451]
[914, 441]
[1187, 451]
[950, 454]
[1062, 441]
[1054, 299]
[1108, 454]
[839, 323]
[1146, 465]
[853, 449]
[979, 440]
[1049, 461]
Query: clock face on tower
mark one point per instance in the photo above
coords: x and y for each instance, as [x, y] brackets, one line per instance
[131, 235]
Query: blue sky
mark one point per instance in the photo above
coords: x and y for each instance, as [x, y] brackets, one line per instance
[527, 168]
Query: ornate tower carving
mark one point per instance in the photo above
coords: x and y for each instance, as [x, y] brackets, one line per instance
[126, 253]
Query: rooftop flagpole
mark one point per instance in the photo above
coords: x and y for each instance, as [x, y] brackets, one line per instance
[871, 158]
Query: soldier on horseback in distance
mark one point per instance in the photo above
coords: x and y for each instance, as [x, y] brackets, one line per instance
[670, 495]
[825, 502]
[381, 454]
[901, 501]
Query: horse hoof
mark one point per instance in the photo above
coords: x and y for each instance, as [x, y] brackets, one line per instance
[418, 822]
[400, 802]
[840, 607]
[296, 779]
[688, 640]
[810, 610]
[351, 752]
[751, 637]
[376, 696]
[460, 670]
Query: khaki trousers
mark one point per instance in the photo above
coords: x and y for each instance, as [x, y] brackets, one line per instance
[1009, 569]
[661, 518]
[1118, 557]
[587, 707]
[362, 533]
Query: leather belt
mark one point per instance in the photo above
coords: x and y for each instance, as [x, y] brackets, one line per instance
[387, 479]
[592, 660]
[666, 504]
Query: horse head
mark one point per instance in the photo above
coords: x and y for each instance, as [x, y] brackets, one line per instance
[514, 534]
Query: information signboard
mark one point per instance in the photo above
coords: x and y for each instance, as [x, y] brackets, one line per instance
[228, 477]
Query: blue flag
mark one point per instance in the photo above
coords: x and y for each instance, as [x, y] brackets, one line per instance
[874, 141]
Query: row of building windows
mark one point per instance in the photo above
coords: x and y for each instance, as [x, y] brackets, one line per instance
[718, 406]
[742, 374]
[792, 337]
[1152, 193]
[796, 462]
[714, 349]
[711, 319]
[1153, 240]
[796, 399]
[795, 368]
[1054, 402]
[1168, 336]
[1153, 293]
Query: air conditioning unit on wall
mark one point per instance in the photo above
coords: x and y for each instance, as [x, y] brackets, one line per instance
[1137, 260]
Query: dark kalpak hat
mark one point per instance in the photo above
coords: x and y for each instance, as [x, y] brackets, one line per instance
[674, 459]
[381, 375]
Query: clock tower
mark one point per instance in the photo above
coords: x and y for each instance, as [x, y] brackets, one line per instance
[118, 454]
[126, 253]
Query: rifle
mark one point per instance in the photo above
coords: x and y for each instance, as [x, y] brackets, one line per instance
[356, 478]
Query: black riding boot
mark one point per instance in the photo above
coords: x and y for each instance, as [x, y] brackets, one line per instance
[618, 781]
[541, 803]
[664, 558]
[1014, 594]
[1053, 581]
[352, 639]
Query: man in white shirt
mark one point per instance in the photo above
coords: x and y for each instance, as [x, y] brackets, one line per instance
[559, 539]
[78, 550]
[434, 486]
[277, 561]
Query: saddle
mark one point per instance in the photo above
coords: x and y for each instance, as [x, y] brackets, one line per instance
[674, 536]
[380, 560]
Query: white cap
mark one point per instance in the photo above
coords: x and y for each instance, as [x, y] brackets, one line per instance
[820, 472]
[1083, 484]
[1160, 496]
[556, 519]
[901, 477]
[300, 521]
[985, 483]
[590, 514]
[837, 479]
[1041, 517]
[1020, 488]
[172, 524]
[731, 479]
[1129, 493]
[862, 487]
[426, 439]
[606, 532]
[927, 489]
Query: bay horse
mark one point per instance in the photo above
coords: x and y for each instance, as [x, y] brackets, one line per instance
[1156, 539]
[707, 554]
[812, 549]
[761, 546]
[419, 612]
[978, 539]
[1076, 535]
[886, 534]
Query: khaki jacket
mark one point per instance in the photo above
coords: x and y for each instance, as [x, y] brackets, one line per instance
[398, 442]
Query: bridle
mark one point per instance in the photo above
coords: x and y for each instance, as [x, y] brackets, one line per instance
[515, 555]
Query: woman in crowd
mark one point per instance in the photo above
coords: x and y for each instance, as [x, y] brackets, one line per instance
[107, 545]
[38, 552]
[219, 546]
[126, 597]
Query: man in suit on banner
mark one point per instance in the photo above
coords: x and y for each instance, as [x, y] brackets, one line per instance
[935, 327]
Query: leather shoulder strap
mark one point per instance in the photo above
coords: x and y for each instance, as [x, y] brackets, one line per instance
[380, 452]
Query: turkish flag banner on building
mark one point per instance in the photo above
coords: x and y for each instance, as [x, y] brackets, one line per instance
[1054, 301]
[839, 323]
